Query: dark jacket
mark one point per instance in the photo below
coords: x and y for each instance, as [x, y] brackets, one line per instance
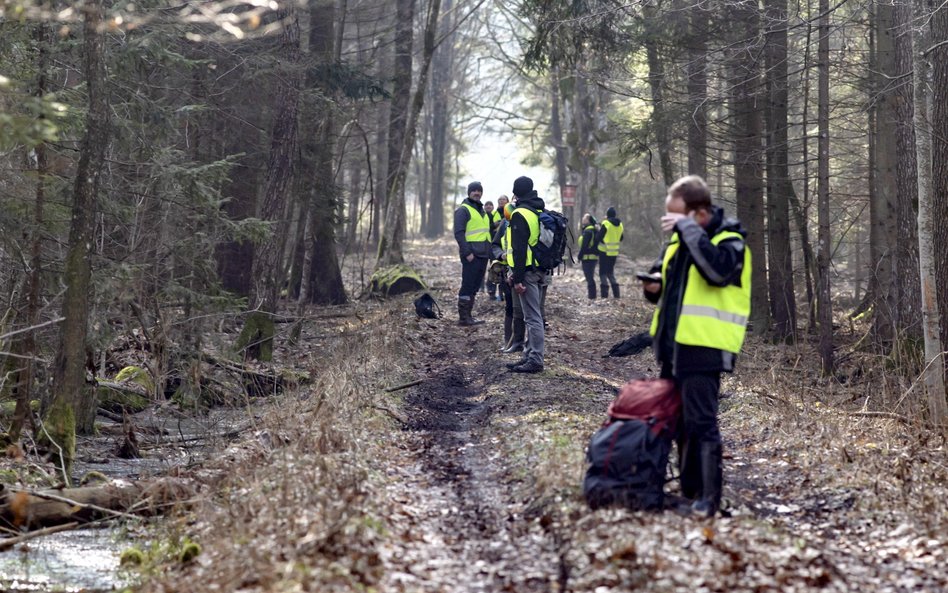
[465, 248]
[496, 249]
[719, 265]
[520, 234]
[588, 242]
[602, 231]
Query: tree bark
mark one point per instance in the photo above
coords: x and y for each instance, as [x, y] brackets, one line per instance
[939, 127]
[746, 111]
[824, 302]
[883, 207]
[73, 402]
[257, 336]
[441, 67]
[696, 72]
[783, 306]
[390, 243]
[656, 82]
[933, 372]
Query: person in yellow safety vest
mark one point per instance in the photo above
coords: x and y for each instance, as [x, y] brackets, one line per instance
[513, 320]
[611, 233]
[702, 287]
[588, 254]
[527, 279]
[472, 233]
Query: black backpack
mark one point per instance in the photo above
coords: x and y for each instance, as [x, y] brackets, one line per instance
[425, 306]
[628, 456]
[550, 250]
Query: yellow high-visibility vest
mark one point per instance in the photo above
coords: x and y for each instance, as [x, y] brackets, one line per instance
[494, 217]
[610, 242]
[710, 316]
[478, 226]
[533, 221]
[590, 255]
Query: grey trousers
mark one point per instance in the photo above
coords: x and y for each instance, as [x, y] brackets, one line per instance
[532, 315]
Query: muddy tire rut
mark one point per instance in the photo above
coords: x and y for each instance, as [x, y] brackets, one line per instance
[469, 533]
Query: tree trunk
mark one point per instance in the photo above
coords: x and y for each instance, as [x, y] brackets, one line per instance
[698, 91]
[933, 371]
[322, 276]
[939, 128]
[441, 67]
[748, 167]
[390, 243]
[556, 129]
[883, 207]
[783, 306]
[656, 81]
[906, 283]
[73, 402]
[390, 250]
[257, 336]
[824, 303]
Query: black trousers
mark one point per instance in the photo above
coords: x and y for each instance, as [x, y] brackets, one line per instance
[607, 269]
[589, 271]
[699, 427]
[506, 289]
[472, 277]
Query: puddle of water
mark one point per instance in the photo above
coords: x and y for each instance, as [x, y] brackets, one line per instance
[84, 560]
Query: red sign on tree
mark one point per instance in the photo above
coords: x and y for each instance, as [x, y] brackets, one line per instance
[568, 195]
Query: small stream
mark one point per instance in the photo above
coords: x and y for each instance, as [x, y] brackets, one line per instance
[87, 560]
[81, 560]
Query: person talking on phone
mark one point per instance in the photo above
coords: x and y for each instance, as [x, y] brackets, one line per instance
[701, 285]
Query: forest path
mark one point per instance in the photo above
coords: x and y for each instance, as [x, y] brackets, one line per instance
[484, 487]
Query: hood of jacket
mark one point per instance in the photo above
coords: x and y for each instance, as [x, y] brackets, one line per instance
[614, 220]
[720, 223]
[531, 200]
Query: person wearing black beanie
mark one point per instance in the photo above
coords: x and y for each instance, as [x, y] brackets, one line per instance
[528, 280]
[472, 233]
[610, 235]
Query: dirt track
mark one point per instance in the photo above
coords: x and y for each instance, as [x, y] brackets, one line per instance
[486, 482]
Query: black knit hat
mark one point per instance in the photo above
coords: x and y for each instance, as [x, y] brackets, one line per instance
[474, 186]
[522, 186]
[611, 212]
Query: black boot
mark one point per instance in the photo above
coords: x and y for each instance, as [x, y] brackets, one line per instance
[517, 339]
[508, 332]
[615, 290]
[604, 290]
[712, 480]
[689, 469]
[464, 312]
[591, 291]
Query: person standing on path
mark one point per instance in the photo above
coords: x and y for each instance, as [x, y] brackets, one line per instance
[588, 254]
[527, 278]
[702, 289]
[610, 235]
[500, 250]
[472, 232]
[493, 218]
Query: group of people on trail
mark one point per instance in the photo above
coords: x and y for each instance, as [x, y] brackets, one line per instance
[522, 284]
[700, 286]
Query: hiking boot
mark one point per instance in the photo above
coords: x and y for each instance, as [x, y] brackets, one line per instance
[527, 367]
[518, 338]
[604, 290]
[465, 307]
[511, 365]
[703, 509]
[615, 290]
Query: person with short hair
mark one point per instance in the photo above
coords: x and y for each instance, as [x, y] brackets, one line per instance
[611, 233]
[472, 233]
[588, 254]
[702, 288]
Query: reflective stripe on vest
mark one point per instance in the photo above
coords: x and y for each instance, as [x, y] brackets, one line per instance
[533, 221]
[590, 255]
[610, 242]
[710, 316]
[478, 226]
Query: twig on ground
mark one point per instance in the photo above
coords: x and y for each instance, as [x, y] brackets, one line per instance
[405, 386]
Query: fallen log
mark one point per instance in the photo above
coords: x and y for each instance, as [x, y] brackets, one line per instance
[89, 503]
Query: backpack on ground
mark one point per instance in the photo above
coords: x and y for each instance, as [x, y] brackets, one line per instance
[628, 456]
[426, 306]
[550, 250]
